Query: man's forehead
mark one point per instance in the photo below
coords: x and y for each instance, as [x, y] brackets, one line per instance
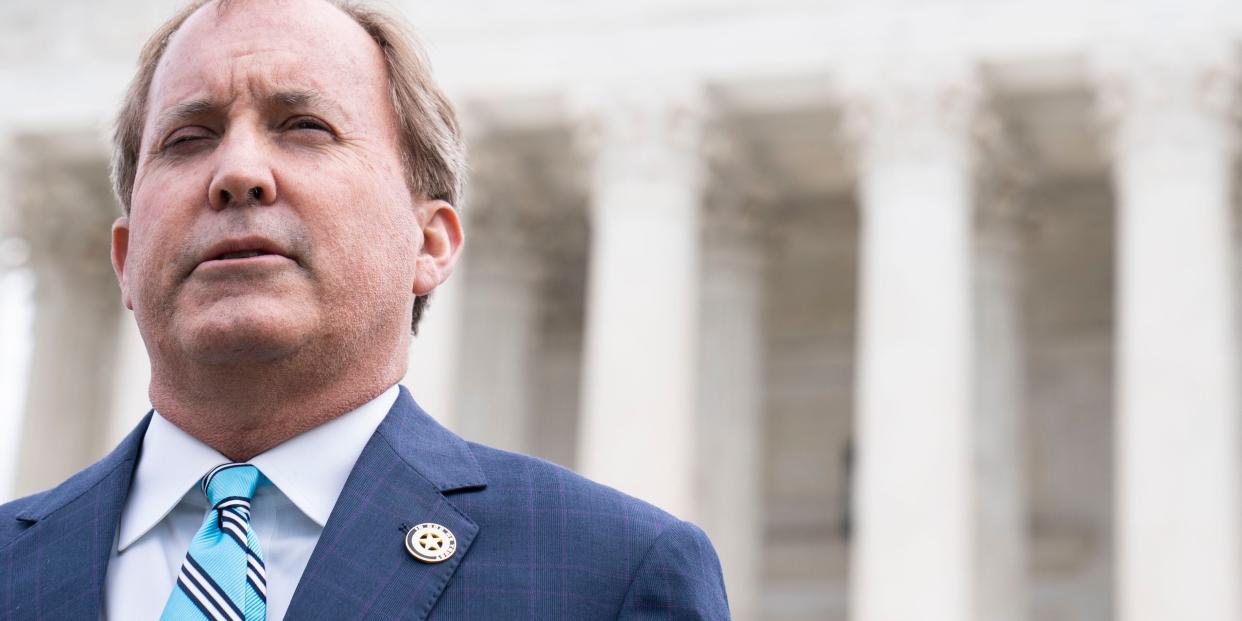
[260, 48]
[281, 36]
[267, 86]
[263, 14]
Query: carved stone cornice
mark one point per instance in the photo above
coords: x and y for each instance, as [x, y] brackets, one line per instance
[633, 115]
[504, 243]
[641, 130]
[1003, 183]
[564, 255]
[503, 181]
[914, 114]
[739, 204]
[1180, 90]
[65, 205]
[509, 208]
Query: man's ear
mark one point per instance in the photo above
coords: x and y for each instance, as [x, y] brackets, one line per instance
[442, 241]
[120, 250]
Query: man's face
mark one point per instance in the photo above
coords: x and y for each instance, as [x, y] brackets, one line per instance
[270, 211]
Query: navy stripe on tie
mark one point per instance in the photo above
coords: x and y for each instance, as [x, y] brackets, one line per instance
[215, 595]
[230, 528]
[215, 471]
[227, 507]
[256, 566]
[235, 517]
[255, 574]
[233, 501]
[238, 531]
[259, 588]
[198, 598]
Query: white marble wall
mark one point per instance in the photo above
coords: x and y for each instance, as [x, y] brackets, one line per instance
[16, 320]
[65, 212]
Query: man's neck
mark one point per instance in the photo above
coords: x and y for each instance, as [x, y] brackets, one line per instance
[242, 411]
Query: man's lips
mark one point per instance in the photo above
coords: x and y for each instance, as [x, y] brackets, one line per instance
[243, 251]
[244, 254]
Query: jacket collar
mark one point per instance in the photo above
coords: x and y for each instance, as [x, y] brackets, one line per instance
[400, 481]
[70, 537]
[436, 453]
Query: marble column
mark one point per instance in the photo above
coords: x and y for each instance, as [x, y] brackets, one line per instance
[435, 354]
[730, 422]
[1173, 141]
[16, 318]
[500, 313]
[131, 378]
[639, 386]
[67, 209]
[558, 383]
[1000, 498]
[913, 554]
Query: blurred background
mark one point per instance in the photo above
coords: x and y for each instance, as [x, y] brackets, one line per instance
[922, 309]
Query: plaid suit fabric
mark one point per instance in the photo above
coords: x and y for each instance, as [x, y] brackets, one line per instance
[553, 545]
[54, 546]
[535, 541]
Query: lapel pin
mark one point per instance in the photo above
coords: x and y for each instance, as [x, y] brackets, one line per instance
[430, 543]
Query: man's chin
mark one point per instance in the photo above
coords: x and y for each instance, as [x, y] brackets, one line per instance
[235, 341]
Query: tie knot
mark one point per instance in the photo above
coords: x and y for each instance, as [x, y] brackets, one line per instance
[232, 482]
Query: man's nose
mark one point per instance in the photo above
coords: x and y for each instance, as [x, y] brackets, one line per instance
[243, 175]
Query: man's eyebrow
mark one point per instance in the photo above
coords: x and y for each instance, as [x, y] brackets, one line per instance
[184, 111]
[296, 99]
[301, 99]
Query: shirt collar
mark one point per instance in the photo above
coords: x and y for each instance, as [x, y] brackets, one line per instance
[310, 469]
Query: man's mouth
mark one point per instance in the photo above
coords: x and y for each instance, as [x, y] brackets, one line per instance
[244, 251]
[243, 254]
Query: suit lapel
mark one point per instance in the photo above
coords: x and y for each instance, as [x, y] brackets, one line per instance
[360, 566]
[62, 556]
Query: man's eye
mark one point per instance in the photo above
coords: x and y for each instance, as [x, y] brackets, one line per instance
[182, 138]
[307, 123]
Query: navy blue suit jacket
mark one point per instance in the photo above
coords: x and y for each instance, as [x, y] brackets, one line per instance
[535, 541]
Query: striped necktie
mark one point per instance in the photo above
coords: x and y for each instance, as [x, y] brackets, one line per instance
[223, 576]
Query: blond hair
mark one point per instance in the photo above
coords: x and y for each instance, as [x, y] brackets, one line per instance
[432, 149]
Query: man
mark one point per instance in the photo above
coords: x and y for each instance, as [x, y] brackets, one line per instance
[288, 172]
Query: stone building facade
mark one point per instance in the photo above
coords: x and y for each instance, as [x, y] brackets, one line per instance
[923, 310]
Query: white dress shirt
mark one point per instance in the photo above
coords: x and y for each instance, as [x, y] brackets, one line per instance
[166, 507]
